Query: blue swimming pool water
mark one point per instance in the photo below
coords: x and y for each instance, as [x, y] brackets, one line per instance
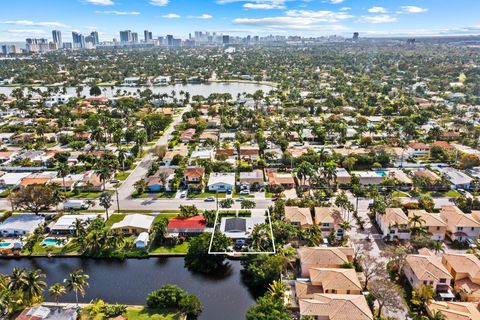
[4, 245]
[381, 173]
[51, 242]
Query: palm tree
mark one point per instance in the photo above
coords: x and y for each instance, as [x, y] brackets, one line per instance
[77, 282]
[122, 156]
[16, 279]
[79, 227]
[416, 221]
[288, 256]
[33, 286]
[276, 290]
[421, 296]
[56, 291]
[63, 171]
[437, 315]
[106, 201]
[104, 173]
[437, 246]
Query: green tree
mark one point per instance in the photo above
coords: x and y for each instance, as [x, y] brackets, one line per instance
[248, 204]
[76, 282]
[34, 198]
[56, 291]
[106, 201]
[198, 259]
[261, 270]
[268, 308]
[95, 91]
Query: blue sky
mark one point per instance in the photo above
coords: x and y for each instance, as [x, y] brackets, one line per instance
[36, 18]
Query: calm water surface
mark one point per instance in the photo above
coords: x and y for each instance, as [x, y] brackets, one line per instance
[129, 282]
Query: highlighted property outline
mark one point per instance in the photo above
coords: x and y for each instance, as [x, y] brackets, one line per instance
[242, 253]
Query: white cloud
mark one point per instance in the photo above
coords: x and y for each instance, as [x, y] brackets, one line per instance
[101, 2]
[335, 1]
[171, 16]
[27, 31]
[36, 24]
[159, 3]
[319, 16]
[205, 16]
[377, 10]
[120, 13]
[413, 9]
[383, 18]
[345, 9]
[265, 5]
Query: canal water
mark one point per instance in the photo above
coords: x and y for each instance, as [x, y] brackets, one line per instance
[204, 89]
[129, 282]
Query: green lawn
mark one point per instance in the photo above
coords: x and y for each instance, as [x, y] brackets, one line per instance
[165, 195]
[84, 195]
[178, 249]
[70, 248]
[206, 195]
[453, 194]
[122, 175]
[114, 218]
[135, 211]
[165, 215]
[143, 313]
[135, 195]
[398, 193]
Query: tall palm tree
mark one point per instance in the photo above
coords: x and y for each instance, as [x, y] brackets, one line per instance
[56, 291]
[276, 290]
[437, 246]
[16, 279]
[421, 296]
[122, 156]
[77, 282]
[104, 173]
[63, 170]
[33, 286]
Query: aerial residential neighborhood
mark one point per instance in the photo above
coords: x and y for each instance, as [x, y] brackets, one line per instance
[293, 160]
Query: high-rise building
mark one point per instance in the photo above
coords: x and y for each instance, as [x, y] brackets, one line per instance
[9, 49]
[78, 40]
[57, 38]
[94, 35]
[147, 35]
[37, 45]
[356, 35]
[225, 39]
[169, 40]
[134, 37]
[126, 36]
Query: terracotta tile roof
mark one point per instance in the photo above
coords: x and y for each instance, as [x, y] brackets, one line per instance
[419, 146]
[279, 179]
[320, 256]
[427, 267]
[464, 263]
[335, 278]
[328, 215]
[336, 307]
[442, 144]
[194, 172]
[299, 215]
[427, 174]
[306, 290]
[455, 310]
[431, 219]
[453, 216]
[197, 222]
[29, 181]
[394, 216]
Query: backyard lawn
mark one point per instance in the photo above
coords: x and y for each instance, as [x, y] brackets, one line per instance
[178, 249]
[70, 248]
[122, 175]
[114, 218]
[143, 313]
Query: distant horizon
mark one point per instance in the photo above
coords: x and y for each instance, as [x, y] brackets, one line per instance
[306, 18]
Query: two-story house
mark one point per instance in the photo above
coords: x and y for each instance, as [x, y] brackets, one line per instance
[460, 226]
[329, 219]
[432, 222]
[394, 224]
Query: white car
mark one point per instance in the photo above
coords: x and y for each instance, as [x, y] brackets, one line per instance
[183, 194]
[209, 199]
[240, 199]
[244, 192]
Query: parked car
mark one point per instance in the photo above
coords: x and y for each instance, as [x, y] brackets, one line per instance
[183, 194]
[114, 181]
[244, 192]
[471, 243]
[210, 199]
[240, 199]
[75, 205]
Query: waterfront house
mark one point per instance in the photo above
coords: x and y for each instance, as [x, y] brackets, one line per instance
[239, 227]
[20, 225]
[65, 225]
[186, 226]
[134, 224]
[48, 313]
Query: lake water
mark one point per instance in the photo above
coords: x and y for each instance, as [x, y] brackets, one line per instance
[204, 89]
[130, 281]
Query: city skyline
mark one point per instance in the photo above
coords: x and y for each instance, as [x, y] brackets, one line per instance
[239, 18]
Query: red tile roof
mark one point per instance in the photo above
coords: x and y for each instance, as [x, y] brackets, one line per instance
[197, 222]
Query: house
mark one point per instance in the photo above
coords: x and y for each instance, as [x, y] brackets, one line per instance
[201, 154]
[19, 225]
[432, 222]
[186, 226]
[239, 228]
[427, 175]
[252, 180]
[142, 240]
[418, 149]
[370, 177]
[329, 219]
[208, 135]
[48, 313]
[458, 179]
[227, 154]
[453, 310]
[465, 270]
[56, 100]
[176, 153]
[336, 306]
[11, 179]
[403, 180]
[343, 177]
[425, 268]
[393, 224]
[193, 177]
[131, 81]
[161, 180]
[221, 182]
[187, 135]
[336, 280]
[134, 224]
[7, 156]
[323, 257]
[301, 217]
[460, 226]
[284, 180]
[249, 153]
[90, 182]
[65, 225]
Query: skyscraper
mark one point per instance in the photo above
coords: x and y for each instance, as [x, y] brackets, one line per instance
[169, 40]
[147, 36]
[78, 40]
[94, 35]
[355, 36]
[57, 38]
[225, 39]
[126, 36]
[134, 37]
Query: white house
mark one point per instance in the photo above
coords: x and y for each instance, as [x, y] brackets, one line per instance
[55, 100]
[239, 228]
[131, 81]
[162, 80]
[11, 179]
[221, 182]
[19, 225]
[142, 240]
[394, 224]
[458, 179]
[415, 149]
[66, 223]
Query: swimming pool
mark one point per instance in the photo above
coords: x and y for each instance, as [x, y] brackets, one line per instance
[381, 173]
[4, 245]
[51, 242]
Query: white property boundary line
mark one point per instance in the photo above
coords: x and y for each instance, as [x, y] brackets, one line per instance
[242, 253]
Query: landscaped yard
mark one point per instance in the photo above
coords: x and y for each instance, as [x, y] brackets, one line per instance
[206, 195]
[122, 175]
[70, 248]
[143, 313]
[84, 195]
[178, 249]
[453, 194]
[165, 195]
[114, 218]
